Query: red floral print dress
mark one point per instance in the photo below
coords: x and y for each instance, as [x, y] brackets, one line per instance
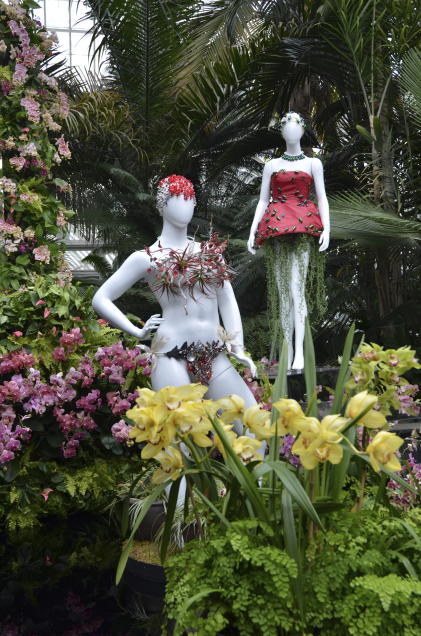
[289, 211]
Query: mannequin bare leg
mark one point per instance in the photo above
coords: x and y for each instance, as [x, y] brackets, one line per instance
[285, 306]
[299, 269]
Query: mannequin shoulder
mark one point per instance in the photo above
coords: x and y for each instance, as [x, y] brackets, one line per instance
[316, 166]
[138, 261]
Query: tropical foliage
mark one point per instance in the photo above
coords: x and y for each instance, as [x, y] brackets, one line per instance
[260, 511]
[216, 79]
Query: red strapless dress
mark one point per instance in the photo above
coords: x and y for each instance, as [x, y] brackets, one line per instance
[289, 210]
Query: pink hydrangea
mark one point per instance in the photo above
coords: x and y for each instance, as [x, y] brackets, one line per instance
[42, 253]
[17, 162]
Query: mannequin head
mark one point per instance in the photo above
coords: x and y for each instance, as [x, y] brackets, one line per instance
[176, 200]
[174, 185]
[292, 127]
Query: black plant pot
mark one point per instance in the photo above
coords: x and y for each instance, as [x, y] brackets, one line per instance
[148, 581]
[151, 523]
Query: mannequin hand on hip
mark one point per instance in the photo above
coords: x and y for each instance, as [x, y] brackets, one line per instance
[241, 356]
[250, 242]
[150, 326]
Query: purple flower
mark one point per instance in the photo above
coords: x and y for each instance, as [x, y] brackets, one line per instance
[120, 431]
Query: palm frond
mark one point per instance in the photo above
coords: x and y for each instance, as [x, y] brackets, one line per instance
[356, 217]
[410, 80]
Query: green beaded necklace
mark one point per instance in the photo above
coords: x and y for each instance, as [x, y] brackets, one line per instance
[293, 157]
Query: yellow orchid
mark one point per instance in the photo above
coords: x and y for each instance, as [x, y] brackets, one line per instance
[381, 451]
[246, 448]
[319, 441]
[171, 396]
[190, 420]
[233, 408]
[231, 435]
[288, 411]
[359, 402]
[171, 462]
[258, 422]
[151, 426]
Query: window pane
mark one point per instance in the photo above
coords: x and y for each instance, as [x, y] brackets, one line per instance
[58, 14]
[64, 42]
[39, 13]
[77, 13]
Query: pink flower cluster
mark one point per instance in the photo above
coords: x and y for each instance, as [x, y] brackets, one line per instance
[401, 497]
[407, 404]
[63, 148]
[32, 108]
[23, 393]
[69, 341]
[286, 451]
[115, 359]
[120, 431]
[28, 55]
[42, 253]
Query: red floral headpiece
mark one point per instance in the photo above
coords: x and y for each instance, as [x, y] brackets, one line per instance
[173, 186]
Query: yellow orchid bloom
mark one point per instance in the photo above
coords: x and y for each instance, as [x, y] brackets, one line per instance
[171, 396]
[359, 402]
[152, 426]
[190, 420]
[246, 448]
[228, 432]
[233, 408]
[171, 462]
[319, 441]
[288, 411]
[258, 422]
[381, 451]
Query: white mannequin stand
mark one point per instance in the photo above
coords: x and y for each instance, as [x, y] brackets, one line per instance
[292, 133]
[183, 319]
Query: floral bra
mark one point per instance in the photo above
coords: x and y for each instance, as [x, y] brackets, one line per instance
[176, 271]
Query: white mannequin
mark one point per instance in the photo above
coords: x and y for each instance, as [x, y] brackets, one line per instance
[292, 131]
[183, 318]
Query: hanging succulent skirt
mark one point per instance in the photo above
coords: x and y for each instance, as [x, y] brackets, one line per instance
[281, 254]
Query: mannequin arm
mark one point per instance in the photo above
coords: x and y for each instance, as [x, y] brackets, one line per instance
[133, 268]
[261, 206]
[323, 205]
[231, 319]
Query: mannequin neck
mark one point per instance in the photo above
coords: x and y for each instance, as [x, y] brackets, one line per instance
[172, 236]
[293, 148]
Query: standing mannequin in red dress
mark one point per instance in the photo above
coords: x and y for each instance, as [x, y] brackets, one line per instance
[286, 220]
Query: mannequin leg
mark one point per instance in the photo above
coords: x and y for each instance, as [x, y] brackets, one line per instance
[169, 372]
[299, 269]
[225, 381]
[285, 306]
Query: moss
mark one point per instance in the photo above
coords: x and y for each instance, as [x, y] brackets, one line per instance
[146, 551]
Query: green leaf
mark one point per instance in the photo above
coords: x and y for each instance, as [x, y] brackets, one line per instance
[214, 509]
[280, 389]
[291, 545]
[310, 367]
[155, 494]
[365, 133]
[296, 490]
[169, 517]
[344, 371]
[395, 476]
[242, 475]
[22, 259]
